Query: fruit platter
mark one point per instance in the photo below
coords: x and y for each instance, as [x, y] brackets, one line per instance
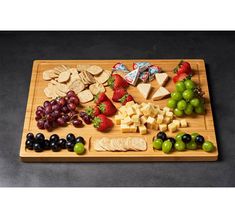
[118, 110]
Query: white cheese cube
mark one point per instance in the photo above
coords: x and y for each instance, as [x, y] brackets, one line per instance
[169, 114]
[177, 123]
[117, 119]
[163, 127]
[172, 127]
[183, 123]
[160, 118]
[130, 103]
[167, 120]
[130, 111]
[135, 118]
[150, 121]
[142, 129]
[125, 128]
[133, 128]
[127, 120]
[166, 109]
[143, 120]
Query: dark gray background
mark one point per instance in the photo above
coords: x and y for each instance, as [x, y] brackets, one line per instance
[19, 49]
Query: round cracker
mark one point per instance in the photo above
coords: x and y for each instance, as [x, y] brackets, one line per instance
[96, 88]
[64, 76]
[77, 85]
[82, 67]
[103, 77]
[89, 77]
[94, 70]
[85, 96]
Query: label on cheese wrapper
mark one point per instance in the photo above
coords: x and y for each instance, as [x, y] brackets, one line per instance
[144, 76]
[121, 67]
[132, 77]
[141, 65]
[153, 69]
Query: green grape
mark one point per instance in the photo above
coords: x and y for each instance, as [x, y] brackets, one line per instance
[167, 146]
[178, 112]
[178, 137]
[179, 145]
[176, 96]
[195, 102]
[189, 109]
[191, 145]
[171, 103]
[208, 146]
[181, 105]
[200, 109]
[189, 84]
[157, 144]
[194, 135]
[79, 148]
[188, 94]
[180, 87]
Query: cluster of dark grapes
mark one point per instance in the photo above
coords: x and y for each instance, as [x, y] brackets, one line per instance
[85, 117]
[38, 142]
[59, 112]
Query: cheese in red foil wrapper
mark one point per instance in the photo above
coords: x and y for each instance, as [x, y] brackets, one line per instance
[121, 67]
[141, 65]
[132, 77]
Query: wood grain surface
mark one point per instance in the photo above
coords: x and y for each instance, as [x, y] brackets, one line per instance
[202, 124]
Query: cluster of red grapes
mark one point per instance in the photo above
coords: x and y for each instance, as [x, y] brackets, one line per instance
[59, 112]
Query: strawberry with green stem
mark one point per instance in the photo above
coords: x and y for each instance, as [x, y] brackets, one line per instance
[107, 108]
[102, 123]
[126, 98]
[118, 94]
[100, 97]
[116, 81]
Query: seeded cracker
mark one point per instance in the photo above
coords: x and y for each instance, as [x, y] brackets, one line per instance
[64, 76]
[85, 96]
[94, 70]
[103, 77]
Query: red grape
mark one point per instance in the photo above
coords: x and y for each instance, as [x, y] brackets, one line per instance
[60, 121]
[39, 114]
[74, 99]
[40, 124]
[37, 118]
[49, 117]
[56, 107]
[65, 109]
[87, 119]
[77, 123]
[48, 109]
[47, 125]
[62, 101]
[70, 93]
[40, 108]
[82, 114]
[53, 102]
[66, 117]
[71, 106]
[46, 103]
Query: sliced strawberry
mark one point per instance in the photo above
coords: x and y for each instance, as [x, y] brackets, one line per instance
[183, 67]
[118, 93]
[180, 77]
[126, 98]
[102, 123]
[116, 81]
[100, 97]
[107, 108]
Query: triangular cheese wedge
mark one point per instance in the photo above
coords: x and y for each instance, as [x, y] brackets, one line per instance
[160, 93]
[161, 78]
[144, 89]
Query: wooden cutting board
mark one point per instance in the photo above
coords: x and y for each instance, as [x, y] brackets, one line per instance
[202, 124]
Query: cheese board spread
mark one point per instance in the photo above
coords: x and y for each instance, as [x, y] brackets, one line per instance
[118, 110]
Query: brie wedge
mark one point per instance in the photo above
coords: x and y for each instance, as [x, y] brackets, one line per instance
[160, 93]
[144, 89]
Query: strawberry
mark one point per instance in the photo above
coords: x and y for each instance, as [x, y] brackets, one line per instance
[107, 108]
[116, 81]
[93, 111]
[118, 93]
[180, 77]
[100, 97]
[183, 67]
[102, 123]
[126, 98]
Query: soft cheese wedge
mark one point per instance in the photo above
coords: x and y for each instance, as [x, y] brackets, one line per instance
[144, 89]
[161, 78]
[160, 93]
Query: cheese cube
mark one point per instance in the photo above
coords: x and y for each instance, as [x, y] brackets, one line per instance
[161, 112]
[117, 119]
[154, 112]
[167, 120]
[136, 124]
[177, 123]
[163, 127]
[135, 118]
[130, 111]
[143, 119]
[125, 128]
[183, 123]
[155, 126]
[136, 106]
[172, 127]
[150, 121]
[142, 129]
[160, 118]
[166, 109]
[130, 103]
[133, 128]
[169, 114]
[138, 112]
[122, 109]
[127, 120]
[146, 110]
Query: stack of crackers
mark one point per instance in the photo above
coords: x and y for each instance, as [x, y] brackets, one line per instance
[85, 80]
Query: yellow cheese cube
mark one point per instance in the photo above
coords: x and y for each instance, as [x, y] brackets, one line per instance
[166, 109]
[130, 103]
[138, 112]
[127, 120]
[172, 127]
[167, 120]
[163, 127]
[150, 122]
[160, 118]
[117, 119]
[143, 119]
[183, 123]
[169, 114]
[161, 112]
[155, 126]
[130, 111]
[135, 118]
[136, 124]
[122, 109]
[154, 112]
[142, 129]
[125, 128]
[177, 123]
[133, 128]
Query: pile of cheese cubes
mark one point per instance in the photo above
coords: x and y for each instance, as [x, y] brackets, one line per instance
[135, 117]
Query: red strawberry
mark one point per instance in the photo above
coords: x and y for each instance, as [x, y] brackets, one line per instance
[118, 93]
[183, 67]
[100, 97]
[126, 98]
[107, 108]
[93, 111]
[102, 123]
[116, 81]
[180, 77]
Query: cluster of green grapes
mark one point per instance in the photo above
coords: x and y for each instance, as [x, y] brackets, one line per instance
[185, 100]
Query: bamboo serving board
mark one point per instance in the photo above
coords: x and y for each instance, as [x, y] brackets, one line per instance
[202, 124]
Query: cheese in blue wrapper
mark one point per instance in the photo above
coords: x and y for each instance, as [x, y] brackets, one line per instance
[141, 65]
[144, 76]
[121, 67]
[153, 70]
[132, 77]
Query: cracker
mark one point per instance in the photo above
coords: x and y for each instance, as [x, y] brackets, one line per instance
[58, 92]
[64, 76]
[62, 87]
[85, 96]
[46, 75]
[77, 86]
[48, 92]
[96, 88]
[82, 67]
[94, 70]
[89, 77]
[84, 79]
[103, 77]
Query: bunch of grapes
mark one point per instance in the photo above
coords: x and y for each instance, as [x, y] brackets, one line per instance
[59, 112]
[186, 99]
